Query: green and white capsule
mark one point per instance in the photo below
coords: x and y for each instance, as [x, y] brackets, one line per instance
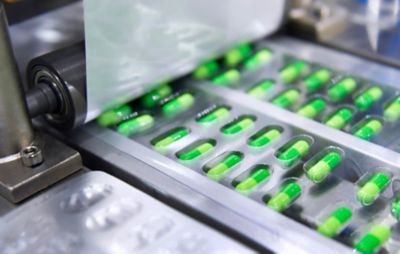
[217, 114]
[286, 98]
[240, 124]
[238, 54]
[264, 137]
[392, 110]
[177, 105]
[196, 149]
[285, 197]
[206, 70]
[170, 137]
[395, 207]
[114, 116]
[222, 167]
[369, 97]
[335, 222]
[293, 71]
[371, 190]
[261, 89]
[227, 78]
[260, 174]
[340, 118]
[342, 89]
[316, 80]
[136, 124]
[260, 58]
[368, 128]
[312, 108]
[373, 240]
[323, 167]
[154, 97]
[290, 154]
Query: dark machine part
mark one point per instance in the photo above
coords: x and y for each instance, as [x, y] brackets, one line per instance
[57, 83]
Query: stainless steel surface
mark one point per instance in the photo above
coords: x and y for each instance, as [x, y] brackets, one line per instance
[97, 213]
[31, 156]
[15, 127]
[18, 181]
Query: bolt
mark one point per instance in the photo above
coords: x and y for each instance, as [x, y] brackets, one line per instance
[31, 156]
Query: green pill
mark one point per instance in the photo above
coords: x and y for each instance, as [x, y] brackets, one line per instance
[293, 71]
[114, 116]
[335, 222]
[368, 98]
[218, 113]
[392, 110]
[342, 89]
[240, 124]
[316, 80]
[285, 197]
[170, 137]
[260, 174]
[206, 70]
[196, 149]
[395, 207]
[229, 161]
[320, 170]
[368, 129]
[294, 152]
[371, 190]
[340, 118]
[312, 108]
[154, 97]
[178, 104]
[238, 54]
[134, 125]
[373, 240]
[260, 58]
[264, 137]
[227, 78]
[261, 89]
[287, 98]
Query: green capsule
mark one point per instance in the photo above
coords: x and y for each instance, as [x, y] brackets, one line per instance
[342, 89]
[170, 137]
[114, 116]
[218, 113]
[258, 175]
[134, 125]
[227, 78]
[293, 71]
[196, 149]
[238, 54]
[373, 240]
[368, 98]
[368, 129]
[368, 193]
[316, 80]
[264, 137]
[285, 197]
[178, 104]
[258, 59]
[261, 89]
[294, 152]
[154, 97]
[392, 110]
[240, 124]
[335, 222]
[340, 118]
[206, 70]
[321, 169]
[286, 98]
[395, 207]
[222, 167]
[312, 108]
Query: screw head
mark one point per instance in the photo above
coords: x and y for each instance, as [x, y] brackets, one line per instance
[31, 156]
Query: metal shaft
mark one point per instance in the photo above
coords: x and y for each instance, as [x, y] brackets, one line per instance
[15, 126]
